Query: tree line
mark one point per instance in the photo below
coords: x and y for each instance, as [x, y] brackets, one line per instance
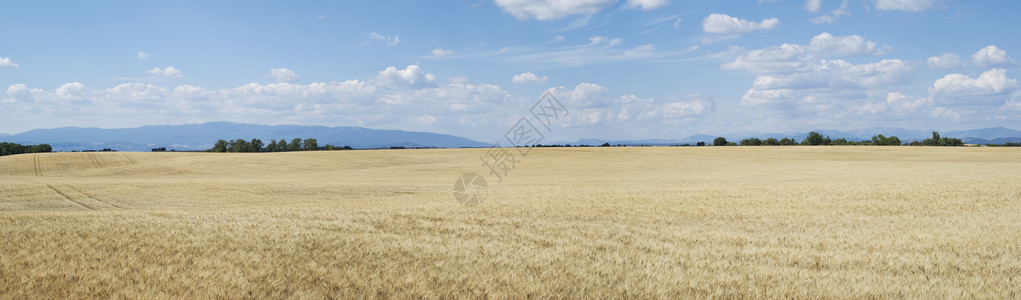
[13, 148]
[816, 139]
[256, 145]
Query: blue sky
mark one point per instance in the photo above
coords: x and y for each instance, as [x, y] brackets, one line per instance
[626, 69]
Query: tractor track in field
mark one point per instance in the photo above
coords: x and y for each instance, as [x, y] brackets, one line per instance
[38, 172]
[132, 160]
[95, 163]
[93, 197]
[62, 194]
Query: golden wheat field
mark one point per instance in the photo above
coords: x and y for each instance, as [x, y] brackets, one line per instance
[665, 222]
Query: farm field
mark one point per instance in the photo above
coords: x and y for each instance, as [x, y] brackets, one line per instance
[663, 222]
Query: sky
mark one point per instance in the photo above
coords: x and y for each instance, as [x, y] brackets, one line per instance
[623, 69]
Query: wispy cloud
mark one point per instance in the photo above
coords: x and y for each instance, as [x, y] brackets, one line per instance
[385, 40]
[599, 50]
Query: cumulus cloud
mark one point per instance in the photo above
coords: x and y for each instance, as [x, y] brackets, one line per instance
[896, 103]
[440, 52]
[283, 75]
[584, 95]
[689, 106]
[801, 79]
[991, 56]
[945, 62]
[843, 45]
[554, 9]
[825, 83]
[788, 58]
[591, 106]
[908, 5]
[813, 5]
[724, 24]
[839, 74]
[7, 62]
[990, 87]
[169, 72]
[647, 4]
[395, 99]
[529, 77]
[142, 55]
[410, 77]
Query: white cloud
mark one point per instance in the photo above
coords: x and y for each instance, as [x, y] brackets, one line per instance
[585, 95]
[908, 5]
[945, 62]
[991, 87]
[789, 58]
[552, 9]
[394, 99]
[690, 106]
[943, 112]
[896, 103]
[387, 40]
[142, 55]
[168, 72]
[410, 77]
[799, 79]
[7, 62]
[439, 52]
[901, 102]
[591, 107]
[724, 24]
[991, 56]
[813, 5]
[529, 77]
[647, 4]
[283, 75]
[71, 90]
[843, 45]
[785, 58]
[831, 18]
[839, 74]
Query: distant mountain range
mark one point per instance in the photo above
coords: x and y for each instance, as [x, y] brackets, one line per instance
[203, 136]
[995, 135]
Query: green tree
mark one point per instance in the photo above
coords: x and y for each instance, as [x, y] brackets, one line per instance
[720, 141]
[271, 146]
[751, 142]
[42, 148]
[771, 142]
[936, 140]
[256, 145]
[282, 145]
[815, 139]
[238, 145]
[295, 145]
[310, 144]
[220, 146]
